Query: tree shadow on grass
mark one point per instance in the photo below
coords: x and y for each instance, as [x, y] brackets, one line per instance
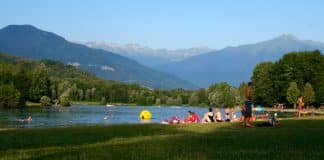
[38, 138]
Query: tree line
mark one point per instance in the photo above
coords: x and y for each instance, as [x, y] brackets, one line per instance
[296, 73]
[51, 82]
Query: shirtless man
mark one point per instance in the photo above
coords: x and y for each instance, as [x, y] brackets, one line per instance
[248, 105]
[300, 105]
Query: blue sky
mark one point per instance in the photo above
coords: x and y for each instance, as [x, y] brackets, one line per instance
[170, 24]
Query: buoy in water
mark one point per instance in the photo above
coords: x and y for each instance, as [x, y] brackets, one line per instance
[145, 114]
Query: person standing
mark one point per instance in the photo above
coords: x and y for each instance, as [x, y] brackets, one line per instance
[248, 105]
[300, 105]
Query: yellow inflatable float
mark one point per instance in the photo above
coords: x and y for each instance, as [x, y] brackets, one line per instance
[145, 114]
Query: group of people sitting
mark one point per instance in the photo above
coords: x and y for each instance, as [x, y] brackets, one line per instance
[192, 117]
[216, 116]
[208, 117]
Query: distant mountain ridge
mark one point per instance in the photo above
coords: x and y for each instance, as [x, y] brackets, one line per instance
[235, 64]
[148, 56]
[31, 42]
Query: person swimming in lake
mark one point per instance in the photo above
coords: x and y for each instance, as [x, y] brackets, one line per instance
[208, 117]
[29, 119]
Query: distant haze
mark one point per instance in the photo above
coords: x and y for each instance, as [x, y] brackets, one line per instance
[235, 64]
[149, 56]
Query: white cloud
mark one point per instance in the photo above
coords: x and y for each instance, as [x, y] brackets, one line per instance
[75, 64]
[107, 68]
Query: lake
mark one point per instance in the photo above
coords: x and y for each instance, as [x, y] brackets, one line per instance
[90, 115]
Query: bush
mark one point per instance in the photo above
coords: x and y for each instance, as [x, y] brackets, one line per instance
[9, 96]
[45, 101]
[64, 100]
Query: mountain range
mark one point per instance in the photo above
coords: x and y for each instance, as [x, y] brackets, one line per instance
[235, 64]
[155, 68]
[31, 42]
[148, 56]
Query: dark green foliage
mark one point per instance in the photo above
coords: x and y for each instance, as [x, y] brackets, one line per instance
[9, 96]
[273, 80]
[64, 100]
[39, 83]
[292, 93]
[262, 81]
[64, 83]
[14, 85]
[45, 101]
[308, 94]
[222, 95]
[241, 93]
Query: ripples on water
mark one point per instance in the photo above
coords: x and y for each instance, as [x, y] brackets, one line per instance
[89, 115]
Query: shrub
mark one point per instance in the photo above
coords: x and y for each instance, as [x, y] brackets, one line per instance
[45, 101]
[64, 100]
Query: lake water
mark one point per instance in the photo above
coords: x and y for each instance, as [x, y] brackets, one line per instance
[90, 115]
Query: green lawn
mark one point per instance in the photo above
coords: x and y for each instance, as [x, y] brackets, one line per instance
[294, 139]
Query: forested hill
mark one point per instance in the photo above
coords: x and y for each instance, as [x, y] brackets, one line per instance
[31, 42]
[47, 81]
[25, 80]
[50, 82]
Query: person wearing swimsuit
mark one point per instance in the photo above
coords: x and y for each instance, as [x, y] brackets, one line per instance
[227, 115]
[208, 117]
[300, 105]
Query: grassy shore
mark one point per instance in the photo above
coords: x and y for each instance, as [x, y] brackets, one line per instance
[295, 139]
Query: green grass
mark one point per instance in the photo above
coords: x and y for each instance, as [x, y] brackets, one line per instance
[294, 139]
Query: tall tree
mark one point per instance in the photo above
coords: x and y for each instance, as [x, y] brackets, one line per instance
[299, 67]
[263, 91]
[222, 95]
[40, 83]
[241, 92]
[292, 93]
[308, 94]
